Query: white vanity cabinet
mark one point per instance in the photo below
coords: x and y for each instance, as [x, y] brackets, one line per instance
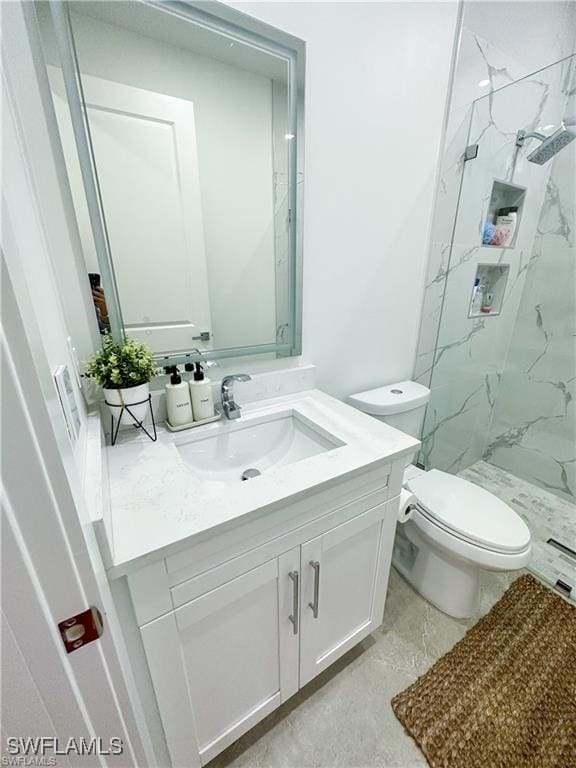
[228, 645]
[223, 661]
[344, 578]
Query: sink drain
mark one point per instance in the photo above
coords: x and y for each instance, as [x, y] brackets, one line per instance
[248, 473]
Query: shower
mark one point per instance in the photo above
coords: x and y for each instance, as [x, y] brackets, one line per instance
[551, 145]
[501, 412]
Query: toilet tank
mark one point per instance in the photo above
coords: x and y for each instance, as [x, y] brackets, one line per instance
[400, 405]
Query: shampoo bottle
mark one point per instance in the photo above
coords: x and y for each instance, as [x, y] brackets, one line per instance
[178, 406]
[201, 394]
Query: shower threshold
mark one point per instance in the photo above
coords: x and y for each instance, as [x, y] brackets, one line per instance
[551, 519]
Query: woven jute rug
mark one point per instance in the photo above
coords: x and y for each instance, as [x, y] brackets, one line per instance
[505, 695]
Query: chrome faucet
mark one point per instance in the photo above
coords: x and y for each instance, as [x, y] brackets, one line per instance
[231, 409]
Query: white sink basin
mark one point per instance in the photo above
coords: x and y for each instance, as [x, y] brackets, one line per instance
[254, 444]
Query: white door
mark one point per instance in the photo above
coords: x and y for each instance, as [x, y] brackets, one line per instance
[344, 579]
[47, 577]
[50, 566]
[147, 166]
[225, 660]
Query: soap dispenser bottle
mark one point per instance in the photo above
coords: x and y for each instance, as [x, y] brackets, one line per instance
[178, 405]
[201, 394]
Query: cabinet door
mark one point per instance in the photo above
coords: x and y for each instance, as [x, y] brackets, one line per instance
[225, 660]
[344, 580]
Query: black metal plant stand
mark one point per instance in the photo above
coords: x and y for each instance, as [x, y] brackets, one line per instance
[137, 424]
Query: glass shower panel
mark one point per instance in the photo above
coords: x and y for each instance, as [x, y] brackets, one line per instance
[502, 411]
[492, 298]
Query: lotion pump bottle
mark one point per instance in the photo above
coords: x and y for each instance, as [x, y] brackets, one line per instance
[178, 406]
[201, 394]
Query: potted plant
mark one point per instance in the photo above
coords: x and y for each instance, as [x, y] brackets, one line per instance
[123, 370]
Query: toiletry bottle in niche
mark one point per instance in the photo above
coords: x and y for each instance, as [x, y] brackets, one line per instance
[201, 394]
[489, 230]
[178, 405]
[506, 221]
[487, 301]
[477, 297]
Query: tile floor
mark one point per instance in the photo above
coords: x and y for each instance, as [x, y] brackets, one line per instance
[546, 514]
[343, 718]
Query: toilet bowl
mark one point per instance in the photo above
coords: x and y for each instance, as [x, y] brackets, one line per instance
[458, 529]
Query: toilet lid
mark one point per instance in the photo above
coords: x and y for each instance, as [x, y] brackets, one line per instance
[470, 511]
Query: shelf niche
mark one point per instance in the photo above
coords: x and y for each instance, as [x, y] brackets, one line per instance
[504, 195]
[494, 277]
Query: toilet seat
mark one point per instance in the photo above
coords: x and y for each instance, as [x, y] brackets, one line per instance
[469, 513]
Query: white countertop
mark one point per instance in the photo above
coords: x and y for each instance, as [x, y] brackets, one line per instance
[158, 505]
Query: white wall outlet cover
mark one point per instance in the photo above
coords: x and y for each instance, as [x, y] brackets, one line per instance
[67, 401]
[75, 361]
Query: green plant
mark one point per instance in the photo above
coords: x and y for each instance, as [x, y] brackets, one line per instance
[117, 366]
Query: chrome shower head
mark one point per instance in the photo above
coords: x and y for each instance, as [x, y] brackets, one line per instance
[551, 145]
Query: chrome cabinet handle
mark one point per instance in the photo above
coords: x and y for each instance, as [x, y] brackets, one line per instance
[316, 565]
[295, 600]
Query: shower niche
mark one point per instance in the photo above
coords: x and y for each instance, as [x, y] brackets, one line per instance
[488, 290]
[502, 220]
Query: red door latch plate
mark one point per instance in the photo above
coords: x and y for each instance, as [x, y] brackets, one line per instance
[81, 629]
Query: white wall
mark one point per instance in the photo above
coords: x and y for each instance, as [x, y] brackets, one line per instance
[376, 86]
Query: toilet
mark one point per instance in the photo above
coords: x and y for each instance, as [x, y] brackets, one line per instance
[457, 529]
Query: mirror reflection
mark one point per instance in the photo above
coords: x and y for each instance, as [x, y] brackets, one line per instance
[192, 136]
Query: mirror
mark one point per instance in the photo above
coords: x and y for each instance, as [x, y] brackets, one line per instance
[182, 136]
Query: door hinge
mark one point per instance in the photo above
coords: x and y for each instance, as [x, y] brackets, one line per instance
[81, 629]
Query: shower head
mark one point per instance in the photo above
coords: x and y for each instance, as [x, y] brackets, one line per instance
[551, 145]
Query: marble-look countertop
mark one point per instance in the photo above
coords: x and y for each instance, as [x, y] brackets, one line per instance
[158, 505]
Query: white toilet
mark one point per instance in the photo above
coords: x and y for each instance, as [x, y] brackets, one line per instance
[457, 528]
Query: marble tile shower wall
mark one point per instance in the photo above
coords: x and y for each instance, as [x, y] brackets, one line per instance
[463, 358]
[479, 61]
[533, 430]
[498, 45]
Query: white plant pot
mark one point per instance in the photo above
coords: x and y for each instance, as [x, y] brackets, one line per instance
[128, 396]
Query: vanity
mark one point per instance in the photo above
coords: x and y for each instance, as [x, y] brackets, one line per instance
[242, 591]
[245, 555]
